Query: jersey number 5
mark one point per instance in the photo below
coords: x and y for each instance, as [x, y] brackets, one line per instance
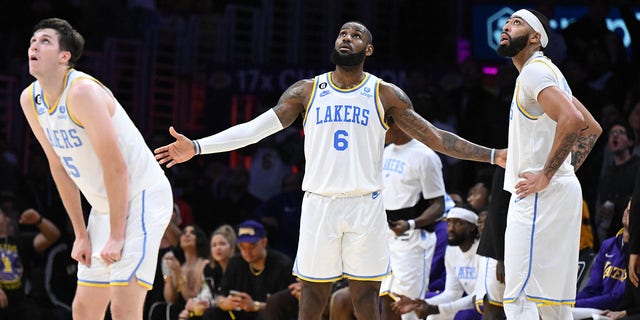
[72, 170]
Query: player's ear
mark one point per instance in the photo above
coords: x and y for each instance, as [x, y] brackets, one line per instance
[535, 38]
[369, 50]
[65, 56]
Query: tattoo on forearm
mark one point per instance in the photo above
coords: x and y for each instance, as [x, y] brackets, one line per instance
[560, 155]
[582, 147]
[463, 149]
[439, 140]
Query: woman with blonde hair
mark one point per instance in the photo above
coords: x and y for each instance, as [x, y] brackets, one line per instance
[222, 248]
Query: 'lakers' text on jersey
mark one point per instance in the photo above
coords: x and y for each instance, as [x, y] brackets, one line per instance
[344, 138]
[71, 143]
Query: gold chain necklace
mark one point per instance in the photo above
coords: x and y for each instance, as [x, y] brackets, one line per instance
[254, 271]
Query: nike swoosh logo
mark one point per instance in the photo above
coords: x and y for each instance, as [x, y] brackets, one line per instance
[608, 255]
[517, 200]
[375, 194]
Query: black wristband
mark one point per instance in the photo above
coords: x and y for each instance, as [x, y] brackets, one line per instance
[39, 221]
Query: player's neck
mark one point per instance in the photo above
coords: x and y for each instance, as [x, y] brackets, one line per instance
[53, 84]
[523, 56]
[465, 246]
[347, 77]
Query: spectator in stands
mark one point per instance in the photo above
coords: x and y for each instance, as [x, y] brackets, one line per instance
[14, 303]
[185, 279]
[223, 245]
[608, 275]
[478, 197]
[251, 277]
[462, 267]
[616, 185]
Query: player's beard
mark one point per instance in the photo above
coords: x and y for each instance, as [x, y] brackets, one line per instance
[514, 46]
[456, 240]
[347, 59]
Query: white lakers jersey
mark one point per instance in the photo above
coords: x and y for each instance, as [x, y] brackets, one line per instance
[411, 171]
[71, 143]
[531, 131]
[344, 138]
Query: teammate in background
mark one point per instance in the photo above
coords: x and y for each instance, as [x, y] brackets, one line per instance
[345, 114]
[550, 135]
[414, 201]
[94, 148]
[461, 262]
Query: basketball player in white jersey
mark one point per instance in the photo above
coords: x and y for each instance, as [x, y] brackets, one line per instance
[94, 148]
[413, 197]
[343, 219]
[461, 262]
[550, 135]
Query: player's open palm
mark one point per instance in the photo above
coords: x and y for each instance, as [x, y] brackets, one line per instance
[112, 250]
[179, 151]
[81, 251]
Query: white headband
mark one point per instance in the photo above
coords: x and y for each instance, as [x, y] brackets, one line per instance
[463, 214]
[535, 23]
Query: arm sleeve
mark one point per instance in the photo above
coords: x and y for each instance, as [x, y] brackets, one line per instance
[243, 134]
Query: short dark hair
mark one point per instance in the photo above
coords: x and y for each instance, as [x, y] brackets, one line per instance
[545, 24]
[69, 38]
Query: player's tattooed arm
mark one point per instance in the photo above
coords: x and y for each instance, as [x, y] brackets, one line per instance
[581, 149]
[293, 101]
[562, 152]
[586, 138]
[398, 105]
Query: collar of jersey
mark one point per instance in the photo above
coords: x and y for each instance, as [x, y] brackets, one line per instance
[333, 86]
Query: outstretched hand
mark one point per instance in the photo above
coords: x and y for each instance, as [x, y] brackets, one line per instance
[177, 152]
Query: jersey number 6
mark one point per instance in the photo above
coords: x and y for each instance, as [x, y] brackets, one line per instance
[339, 140]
